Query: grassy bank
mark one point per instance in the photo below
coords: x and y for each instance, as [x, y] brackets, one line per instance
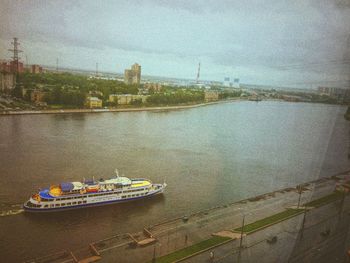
[325, 200]
[185, 252]
[276, 218]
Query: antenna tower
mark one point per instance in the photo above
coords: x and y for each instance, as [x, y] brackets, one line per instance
[15, 57]
[199, 70]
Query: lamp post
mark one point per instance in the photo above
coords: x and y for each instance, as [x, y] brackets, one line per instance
[241, 240]
[299, 188]
[154, 254]
[302, 227]
[241, 237]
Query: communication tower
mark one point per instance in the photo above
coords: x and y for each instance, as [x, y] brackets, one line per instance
[198, 72]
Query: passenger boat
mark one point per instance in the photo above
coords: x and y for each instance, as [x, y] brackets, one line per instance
[72, 195]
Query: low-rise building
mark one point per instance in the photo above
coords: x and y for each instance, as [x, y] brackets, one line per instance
[211, 95]
[125, 99]
[93, 102]
[156, 87]
[36, 69]
[334, 91]
[38, 96]
[7, 81]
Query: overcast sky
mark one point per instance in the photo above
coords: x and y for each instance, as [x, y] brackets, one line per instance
[274, 42]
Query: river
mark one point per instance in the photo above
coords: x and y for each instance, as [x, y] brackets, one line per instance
[208, 156]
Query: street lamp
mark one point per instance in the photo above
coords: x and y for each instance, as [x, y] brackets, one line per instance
[299, 188]
[241, 238]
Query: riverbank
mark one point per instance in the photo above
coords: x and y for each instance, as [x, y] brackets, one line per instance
[153, 108]
[172, 238]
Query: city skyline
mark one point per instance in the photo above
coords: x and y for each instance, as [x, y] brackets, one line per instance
[304, 43]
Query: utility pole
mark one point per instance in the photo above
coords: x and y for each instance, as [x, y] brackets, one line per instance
[15, 60]
[299, 191]
[96, 69]
[302, 226]
[56, 64]
[241, 241]
[15, 57]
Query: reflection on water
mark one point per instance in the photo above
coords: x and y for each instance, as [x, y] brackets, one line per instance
[208, 156]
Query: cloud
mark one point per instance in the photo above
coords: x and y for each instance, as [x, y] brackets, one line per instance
[263, 35]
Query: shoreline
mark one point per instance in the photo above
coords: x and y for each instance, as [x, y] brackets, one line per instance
[139, 109]
[136, 109]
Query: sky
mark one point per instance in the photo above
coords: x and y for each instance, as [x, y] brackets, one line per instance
[300, 43]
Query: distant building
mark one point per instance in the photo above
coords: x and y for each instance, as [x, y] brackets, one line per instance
[11, 67]
[235, 83]
[155, 86]
[7, 81]
[227, 82]
[334, 91]
[93, 102]
[133, 75]
[36, 69]
[38, 96]
[211, 95]
[5, 67]
[125, 99]
[14, 68]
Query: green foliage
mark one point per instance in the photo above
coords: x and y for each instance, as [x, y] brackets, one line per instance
[176, 97]
[72, 89]
[65, 97]
[325, 200]
[274, 219]
[17, 91]
[137, 102]
[182, 253]
[230, 94]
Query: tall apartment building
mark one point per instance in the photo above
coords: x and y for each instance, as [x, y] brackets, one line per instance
[133, 75]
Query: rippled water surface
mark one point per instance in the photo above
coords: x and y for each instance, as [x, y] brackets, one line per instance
[208, 156]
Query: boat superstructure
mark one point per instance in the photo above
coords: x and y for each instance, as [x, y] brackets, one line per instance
[71, 195]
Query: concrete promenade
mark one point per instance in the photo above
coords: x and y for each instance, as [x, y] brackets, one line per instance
[295, 237]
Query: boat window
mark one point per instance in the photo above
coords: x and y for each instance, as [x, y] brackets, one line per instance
[74, 203]
[79, 202]
[63, 204]
[84, 202]
[57, 205]
[46, 206]
[69, 203]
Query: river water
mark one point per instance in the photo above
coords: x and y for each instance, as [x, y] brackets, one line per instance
[208, 156]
